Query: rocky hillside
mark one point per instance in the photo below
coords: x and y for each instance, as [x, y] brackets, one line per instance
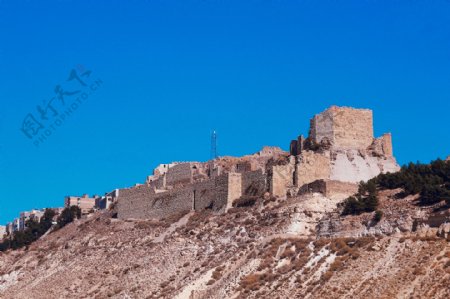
[294, 248]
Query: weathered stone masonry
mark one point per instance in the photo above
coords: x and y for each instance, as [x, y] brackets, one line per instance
[217, 194]
[339, 152]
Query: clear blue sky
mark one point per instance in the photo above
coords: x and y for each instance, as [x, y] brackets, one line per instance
[256, 71]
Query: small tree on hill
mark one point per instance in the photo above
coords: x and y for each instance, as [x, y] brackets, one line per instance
[68, 215]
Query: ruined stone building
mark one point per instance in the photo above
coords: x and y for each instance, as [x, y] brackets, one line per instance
[339, 152]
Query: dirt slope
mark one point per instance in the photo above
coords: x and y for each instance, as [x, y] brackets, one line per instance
[256, 252]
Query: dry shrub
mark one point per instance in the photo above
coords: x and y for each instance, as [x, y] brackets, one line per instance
[164, 284]
[341, 247]
[252, 281]
[327, 275]
[320, 243]
[217, 274]
[198, 218]
[248, 221]
[337, 265]
[284, 269]
[419, 271]
[233, 210]
[148, 224]
[287, 253]
[301, 244]
[266, 263]
[299, 263]
[364, 242]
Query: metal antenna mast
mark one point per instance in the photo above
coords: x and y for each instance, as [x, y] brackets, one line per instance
[214, 145]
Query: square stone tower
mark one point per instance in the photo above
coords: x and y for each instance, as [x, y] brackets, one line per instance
[343, 127]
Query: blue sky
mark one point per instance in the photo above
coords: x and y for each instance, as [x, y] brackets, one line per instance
[171, 71]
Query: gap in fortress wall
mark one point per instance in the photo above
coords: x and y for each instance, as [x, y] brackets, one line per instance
[339, 152]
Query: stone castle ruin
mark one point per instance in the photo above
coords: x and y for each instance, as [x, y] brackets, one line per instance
[339, 152]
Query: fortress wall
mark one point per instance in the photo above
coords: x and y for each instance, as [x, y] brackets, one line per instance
[204, 194]
[244, 166]
[386, 144]
[353, 128]
[344, 127]
[221, 196]
[180, 174]
[331, 189]
[234, 188]
[321, 127]
[132, 202]
[219, 193]
[170, 203]
[158, 183]
[253, 183]
[312, 166]
[318, 186]
[139, 204]
[282, 178]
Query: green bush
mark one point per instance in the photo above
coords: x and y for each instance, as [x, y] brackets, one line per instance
[431, 194]
[365, 200]
[68, 215]
[33, 231]
[378, 215]
[430, 181]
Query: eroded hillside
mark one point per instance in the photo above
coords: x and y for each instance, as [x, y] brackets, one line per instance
[268, 250]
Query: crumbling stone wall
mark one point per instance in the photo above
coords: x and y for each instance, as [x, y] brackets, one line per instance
[221, 199]
[169, 203]
[281, 179]
[296, 146]
[341, 190]
[382, 147]
[180, 174]
[216, 194]
[344, 127]
[387, 145]
[159, 183]
[312, 166]
[234, 188]
[244, 166]
[330, 188]
[253, 183]
[204, 194]
[142, 202]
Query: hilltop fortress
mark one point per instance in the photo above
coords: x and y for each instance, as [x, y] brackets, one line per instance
[339, 152]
